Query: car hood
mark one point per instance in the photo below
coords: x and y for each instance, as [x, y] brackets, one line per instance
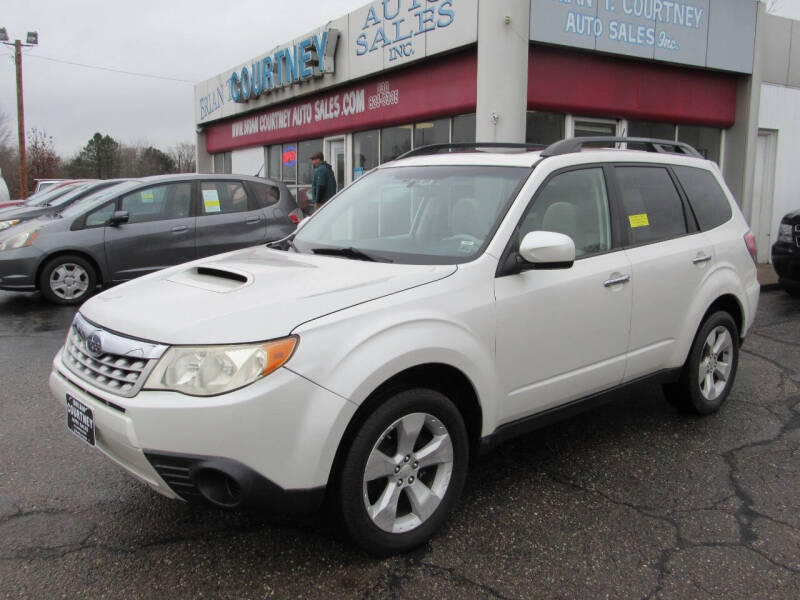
[24, 212]
[249, 295]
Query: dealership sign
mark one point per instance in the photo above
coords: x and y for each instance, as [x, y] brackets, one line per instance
[311, 57]
[393, 25]
[406, 96]
[717, 34]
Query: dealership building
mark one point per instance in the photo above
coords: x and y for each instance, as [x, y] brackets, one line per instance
[722, 75]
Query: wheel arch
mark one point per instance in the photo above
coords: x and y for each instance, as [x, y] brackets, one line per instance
[101, 278]
[441, 377]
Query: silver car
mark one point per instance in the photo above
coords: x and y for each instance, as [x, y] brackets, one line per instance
[141, 226]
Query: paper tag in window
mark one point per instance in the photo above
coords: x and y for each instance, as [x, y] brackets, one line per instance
[639, 220]
[211, 201]
[147, 197]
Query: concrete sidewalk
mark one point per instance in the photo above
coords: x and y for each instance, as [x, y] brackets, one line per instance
[767, 277]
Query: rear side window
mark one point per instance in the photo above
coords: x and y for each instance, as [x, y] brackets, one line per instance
[223, 197]
[652, 207]
[709, 203]
[266, 195]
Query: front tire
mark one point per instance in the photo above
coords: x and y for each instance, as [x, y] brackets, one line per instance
[403, 472]
[67, 279]
[710, 369]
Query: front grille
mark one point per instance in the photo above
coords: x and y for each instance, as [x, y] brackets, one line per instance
[120, 366]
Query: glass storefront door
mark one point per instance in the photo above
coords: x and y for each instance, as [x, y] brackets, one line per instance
[336, 156]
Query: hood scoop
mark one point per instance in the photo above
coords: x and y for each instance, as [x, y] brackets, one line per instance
[213, 279]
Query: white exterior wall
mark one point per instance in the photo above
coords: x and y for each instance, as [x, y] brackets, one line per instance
[780, 111]
[248, 161]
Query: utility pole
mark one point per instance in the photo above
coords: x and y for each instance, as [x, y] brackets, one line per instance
[32, 40]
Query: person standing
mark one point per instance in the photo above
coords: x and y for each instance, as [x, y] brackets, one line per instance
[323, 184]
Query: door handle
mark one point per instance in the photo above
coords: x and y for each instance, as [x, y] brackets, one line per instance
[617, 280]
[253, 220]
[179, 229]
[701, 258]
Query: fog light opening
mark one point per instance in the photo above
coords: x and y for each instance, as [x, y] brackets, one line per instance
[219, 488]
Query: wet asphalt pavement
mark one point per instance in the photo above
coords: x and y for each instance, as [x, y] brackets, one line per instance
[631, 500]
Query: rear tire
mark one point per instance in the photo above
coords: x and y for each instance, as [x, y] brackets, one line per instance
[67, 279]
[403, 472]
[709, 372]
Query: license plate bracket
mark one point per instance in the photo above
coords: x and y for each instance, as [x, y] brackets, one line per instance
[80, 420]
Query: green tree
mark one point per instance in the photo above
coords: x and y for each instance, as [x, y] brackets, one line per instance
[99, 159]
[153, 161]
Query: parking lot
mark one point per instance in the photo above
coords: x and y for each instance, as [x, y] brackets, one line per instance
[631, 500]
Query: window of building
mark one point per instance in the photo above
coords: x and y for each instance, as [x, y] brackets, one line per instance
[305, 171]
[653, 208]
[464, 129]
[544, 127]
[574, 203]
[365, 152]
[272, 157]
[707, 140]
[708, 201]
[394, 142]
[651, 129]
[222, 162]
[431, 132]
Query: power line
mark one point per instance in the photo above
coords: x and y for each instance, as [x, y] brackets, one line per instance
[77, 64]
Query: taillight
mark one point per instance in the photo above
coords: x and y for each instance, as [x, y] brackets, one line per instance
[750, 242]
[294, 218]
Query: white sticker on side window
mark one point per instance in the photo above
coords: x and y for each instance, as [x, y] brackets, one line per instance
[211, 201]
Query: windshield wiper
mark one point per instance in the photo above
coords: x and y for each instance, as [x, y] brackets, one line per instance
[350, 252]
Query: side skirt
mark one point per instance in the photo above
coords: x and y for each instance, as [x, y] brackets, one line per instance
[531, 423]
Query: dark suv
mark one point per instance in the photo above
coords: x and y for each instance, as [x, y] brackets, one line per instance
[786, 253]
[139, 227]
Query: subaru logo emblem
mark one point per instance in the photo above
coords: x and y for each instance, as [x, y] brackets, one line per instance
[94, 345]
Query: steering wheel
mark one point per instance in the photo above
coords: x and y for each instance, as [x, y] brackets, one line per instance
[464, 237]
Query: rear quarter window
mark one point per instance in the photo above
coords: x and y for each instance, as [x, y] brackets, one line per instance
[265, 194]
[708, 201]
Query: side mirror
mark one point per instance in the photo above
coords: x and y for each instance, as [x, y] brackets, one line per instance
[547, 250]
[119, 217]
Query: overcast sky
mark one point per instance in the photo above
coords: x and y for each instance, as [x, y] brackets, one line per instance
[192, 40]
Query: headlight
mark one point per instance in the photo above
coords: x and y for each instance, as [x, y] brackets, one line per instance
[24, 238]
[785, 233]
[7, 224]
[212, 370]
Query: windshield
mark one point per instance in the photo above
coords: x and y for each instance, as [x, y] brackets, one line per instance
[43, 197]
[414, 215]
[85, 204]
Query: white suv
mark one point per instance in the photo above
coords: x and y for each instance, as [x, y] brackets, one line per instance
[438, 305]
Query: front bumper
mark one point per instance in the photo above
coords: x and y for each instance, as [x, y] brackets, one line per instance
[18, 268]
[276, 438]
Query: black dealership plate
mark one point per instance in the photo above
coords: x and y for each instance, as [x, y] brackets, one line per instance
[80, 420]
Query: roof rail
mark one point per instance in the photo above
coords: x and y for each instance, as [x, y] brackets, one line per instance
[571, 145]
[466, 147]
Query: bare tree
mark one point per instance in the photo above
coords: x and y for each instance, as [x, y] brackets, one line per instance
[43, 161]
[183, 155]
[9, 159]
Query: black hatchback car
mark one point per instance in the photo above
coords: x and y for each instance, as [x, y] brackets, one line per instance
[786, 253]
[141, 226]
